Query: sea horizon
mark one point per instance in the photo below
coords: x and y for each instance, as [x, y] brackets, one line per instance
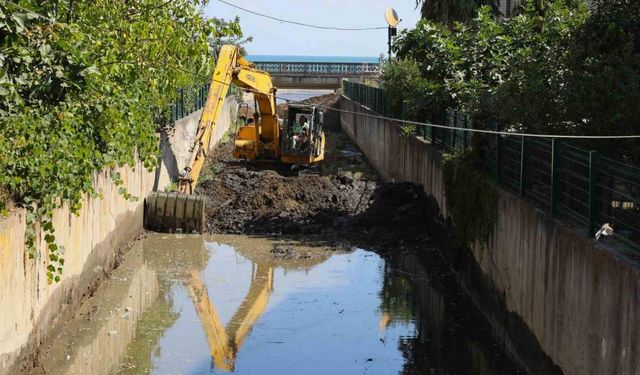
[314, 59]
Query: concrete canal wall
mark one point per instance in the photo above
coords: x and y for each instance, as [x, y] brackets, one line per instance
[540, 283]
[32, 310]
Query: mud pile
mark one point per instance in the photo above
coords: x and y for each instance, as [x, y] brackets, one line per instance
[398, 215]
[263, 201]
[243, 199]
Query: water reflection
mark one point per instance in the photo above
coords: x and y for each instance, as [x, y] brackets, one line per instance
[225, 342]
[97, 341]
[452, 337]
[180, 305]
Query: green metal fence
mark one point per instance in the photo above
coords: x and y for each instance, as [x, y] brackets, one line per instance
[189, 101]
[371, 97]
[559, 177]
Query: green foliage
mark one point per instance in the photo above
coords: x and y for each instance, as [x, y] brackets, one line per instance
[466, 66]
[554, 68]
[450, 11]
[4, 202]
[403, 83]
[472, 199]
[83, 87]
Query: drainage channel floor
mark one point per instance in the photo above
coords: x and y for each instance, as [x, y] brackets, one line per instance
[248, 305]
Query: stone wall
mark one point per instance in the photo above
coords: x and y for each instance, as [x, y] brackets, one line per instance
[31, 309]
[543, 286]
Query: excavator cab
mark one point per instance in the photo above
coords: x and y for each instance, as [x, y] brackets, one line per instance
[303, 140]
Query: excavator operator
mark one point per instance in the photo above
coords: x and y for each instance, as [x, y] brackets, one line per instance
[300, 131]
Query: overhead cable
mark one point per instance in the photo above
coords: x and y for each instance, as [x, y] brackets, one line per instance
[302, 23]
[427, 124]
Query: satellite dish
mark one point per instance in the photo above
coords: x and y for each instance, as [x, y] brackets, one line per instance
[392, 17]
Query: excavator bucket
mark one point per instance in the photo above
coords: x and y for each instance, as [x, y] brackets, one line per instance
[174, 212]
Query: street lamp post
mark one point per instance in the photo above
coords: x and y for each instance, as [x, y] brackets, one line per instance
[392, 19]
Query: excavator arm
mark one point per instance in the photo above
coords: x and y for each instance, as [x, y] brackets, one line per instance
[232, 68]
[224, 342]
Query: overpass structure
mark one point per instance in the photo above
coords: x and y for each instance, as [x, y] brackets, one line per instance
[316, 75]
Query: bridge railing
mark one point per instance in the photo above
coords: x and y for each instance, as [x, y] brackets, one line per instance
[316, 68]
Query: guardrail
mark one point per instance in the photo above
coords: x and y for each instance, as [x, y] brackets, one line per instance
[314, 68]
[567, 181]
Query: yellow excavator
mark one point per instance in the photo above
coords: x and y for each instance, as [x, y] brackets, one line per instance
[266, 138]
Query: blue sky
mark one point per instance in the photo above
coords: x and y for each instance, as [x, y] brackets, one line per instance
[275, 38]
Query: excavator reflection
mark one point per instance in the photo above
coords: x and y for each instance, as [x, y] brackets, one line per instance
[225, 342]
[185, 257]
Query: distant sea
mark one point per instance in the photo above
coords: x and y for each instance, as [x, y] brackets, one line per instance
[320, 59]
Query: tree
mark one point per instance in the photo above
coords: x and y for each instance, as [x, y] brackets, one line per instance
[450, 11]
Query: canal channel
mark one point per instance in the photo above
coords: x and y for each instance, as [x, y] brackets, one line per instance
[186, 304]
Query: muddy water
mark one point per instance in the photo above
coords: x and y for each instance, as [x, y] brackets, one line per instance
[194, 305]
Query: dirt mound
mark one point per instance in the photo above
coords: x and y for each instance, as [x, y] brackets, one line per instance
[243, 199]
[397, 215]
[265, 202]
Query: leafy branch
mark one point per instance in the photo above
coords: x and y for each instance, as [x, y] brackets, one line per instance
[84, 86]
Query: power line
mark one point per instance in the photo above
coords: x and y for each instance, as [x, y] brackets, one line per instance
[484, 131]
[301, 23]
[426, 124]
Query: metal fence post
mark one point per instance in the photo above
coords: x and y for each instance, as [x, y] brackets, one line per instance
[452, 136]
[555, 148]
[523, 161]
[593, 187]
[498, 142]
[377, 100]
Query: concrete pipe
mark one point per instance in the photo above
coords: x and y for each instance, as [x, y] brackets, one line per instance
[174, 212]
